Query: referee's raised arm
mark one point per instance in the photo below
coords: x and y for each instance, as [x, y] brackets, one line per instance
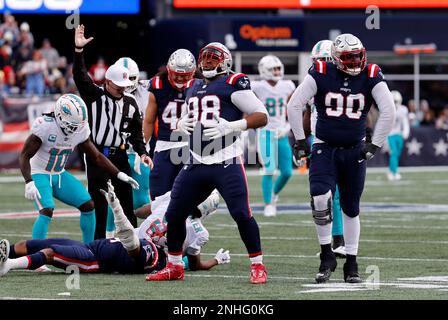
[87, 89]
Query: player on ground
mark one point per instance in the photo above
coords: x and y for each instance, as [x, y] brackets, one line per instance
[139, 171]
[273, 144]
[399, 133]
[343, 92]
[124, 254]
[214, 121]
[166, 98]
[43, 158]
[322, 51]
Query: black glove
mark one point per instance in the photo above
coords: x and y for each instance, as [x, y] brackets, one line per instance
[368, 151]
[301, 149]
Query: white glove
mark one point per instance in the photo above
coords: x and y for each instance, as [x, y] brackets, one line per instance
[186, 124]
[125, 178]
[31, 192]
[222, 256]
[137, 163]
[111, 198]
[222, 127]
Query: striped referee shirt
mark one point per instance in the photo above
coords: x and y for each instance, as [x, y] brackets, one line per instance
[113, 121]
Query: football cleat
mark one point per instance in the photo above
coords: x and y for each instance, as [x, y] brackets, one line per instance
[270, 210]
[351, 274]
[397, 176]
[170, 272]
[327, 266]
[258, 273]
[4, 250]
[390, 176]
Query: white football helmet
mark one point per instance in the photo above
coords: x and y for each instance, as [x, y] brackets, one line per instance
[266, 67]
[70, 112]
[349, 54]
[134, 72]
[322, 51]
[181, 64]
[398, 99]
[215, 59]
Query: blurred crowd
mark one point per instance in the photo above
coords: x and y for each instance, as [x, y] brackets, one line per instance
[427, 116]
[30, 68]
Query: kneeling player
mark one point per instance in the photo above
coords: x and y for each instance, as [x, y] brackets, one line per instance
[124, 254]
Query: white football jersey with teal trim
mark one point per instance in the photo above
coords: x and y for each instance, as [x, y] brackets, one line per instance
[56, 146]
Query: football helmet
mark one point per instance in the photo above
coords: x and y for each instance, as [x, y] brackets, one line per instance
[266, 67]
[215, 59]
[181, 67]
[398, 99]
[349, 54]
[322, 51]
[134, 72]
[70, 112]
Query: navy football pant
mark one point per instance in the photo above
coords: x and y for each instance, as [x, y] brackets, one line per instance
[332, 165]
[66, 253]
[164, 171]
[194, 184]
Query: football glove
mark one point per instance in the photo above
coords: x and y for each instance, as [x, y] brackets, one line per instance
[222, 127]
[31, 191]
[186, 124]
[222, 256]
[125, 178]
[368, 151]
[301, 149]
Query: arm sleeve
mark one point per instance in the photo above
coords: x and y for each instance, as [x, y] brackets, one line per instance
[304, 92]
[136, 137]
[247, 102]
[87, 89]
[383, 98]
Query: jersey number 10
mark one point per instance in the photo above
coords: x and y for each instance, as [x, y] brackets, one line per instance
[58, 159]
[351, 105]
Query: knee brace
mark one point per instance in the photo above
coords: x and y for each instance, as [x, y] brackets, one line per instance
[321, 208]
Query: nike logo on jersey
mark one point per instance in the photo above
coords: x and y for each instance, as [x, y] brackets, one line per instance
[360, 161]
[226, 165]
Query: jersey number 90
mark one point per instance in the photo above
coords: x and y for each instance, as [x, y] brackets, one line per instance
[351, 105]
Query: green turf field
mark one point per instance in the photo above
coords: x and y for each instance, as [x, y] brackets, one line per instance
[405, 245]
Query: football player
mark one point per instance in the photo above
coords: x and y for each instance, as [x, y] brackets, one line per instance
[322, 51]
[125, 254]
[139, 171]
[164, 107]
[154, 228]
[273, 144]
[43, 158]
[213, 121]
[399, 133]
[343, 92]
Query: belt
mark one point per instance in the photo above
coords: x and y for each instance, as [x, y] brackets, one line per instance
[109, 151]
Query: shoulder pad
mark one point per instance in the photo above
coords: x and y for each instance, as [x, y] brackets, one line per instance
[373, 70]
[189, 83]
[155, 83]
[320, 66]
[239, 80]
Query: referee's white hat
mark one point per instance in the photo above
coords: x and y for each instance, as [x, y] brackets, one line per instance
[119, 75]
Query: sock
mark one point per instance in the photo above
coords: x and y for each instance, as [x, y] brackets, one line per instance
[324, 233]
[31, 262]
[351, 258]
[110, 224]
[175, 259]
[186, 263]
[257, 259]
[352, 229]
[326, 248]
[266, 186]
[12, 252]
[40, 228]
[87, 222]
[337, 229]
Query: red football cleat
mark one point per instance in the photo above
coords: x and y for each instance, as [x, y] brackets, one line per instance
[170, 272]
[258, 273]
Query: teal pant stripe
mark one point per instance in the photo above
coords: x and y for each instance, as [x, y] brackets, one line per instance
[337, 228]
[396, 147]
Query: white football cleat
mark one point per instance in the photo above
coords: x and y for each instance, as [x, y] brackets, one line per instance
[270, 210]
[4, 250]
[210, 205]
[275, 198]
[390, 176]
[397, 176]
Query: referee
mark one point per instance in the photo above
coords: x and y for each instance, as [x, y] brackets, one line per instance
[115, 121]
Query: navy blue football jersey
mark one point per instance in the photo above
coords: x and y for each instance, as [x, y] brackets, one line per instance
[113, 257]
[343, 102]
[169, 107]
[207, 100]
